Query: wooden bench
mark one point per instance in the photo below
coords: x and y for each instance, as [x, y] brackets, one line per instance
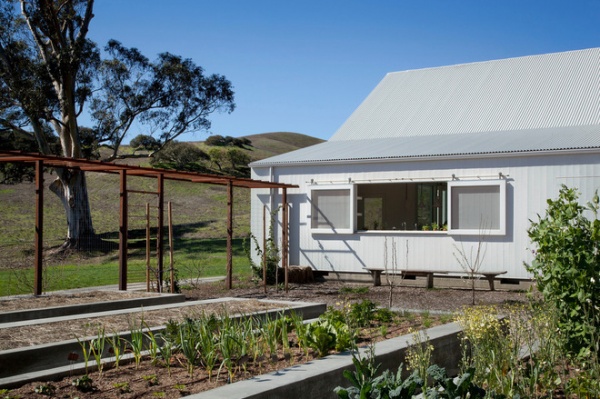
[490, 276]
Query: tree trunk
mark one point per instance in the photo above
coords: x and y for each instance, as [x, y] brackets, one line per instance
[71, 189]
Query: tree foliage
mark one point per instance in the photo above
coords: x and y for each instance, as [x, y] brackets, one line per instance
[144, 142]
[170, 96]
[224, 141]
[566, 266]
[180, 156]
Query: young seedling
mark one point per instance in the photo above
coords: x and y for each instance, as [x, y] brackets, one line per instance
[86, 351]
[137, 345]
[117, 348]
[97, 348]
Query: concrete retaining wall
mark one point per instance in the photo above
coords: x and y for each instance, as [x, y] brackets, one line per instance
[318, 378]
[94, 307]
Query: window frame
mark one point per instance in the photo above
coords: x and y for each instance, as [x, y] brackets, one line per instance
[351, 214]
[501, 183]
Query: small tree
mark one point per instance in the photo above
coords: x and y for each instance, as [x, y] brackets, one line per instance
[237, 158]
[471, 262]
[218, 157]
[143, 142]
[180, 156]
[392, 271]
[566, 267]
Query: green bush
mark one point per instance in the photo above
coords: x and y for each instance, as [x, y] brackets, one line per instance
[566, 266]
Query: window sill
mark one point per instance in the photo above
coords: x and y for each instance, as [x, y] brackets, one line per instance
[420, 232]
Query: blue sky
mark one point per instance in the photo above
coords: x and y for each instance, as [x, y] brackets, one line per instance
[304, 66]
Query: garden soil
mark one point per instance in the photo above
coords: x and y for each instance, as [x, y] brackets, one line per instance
[151, 381]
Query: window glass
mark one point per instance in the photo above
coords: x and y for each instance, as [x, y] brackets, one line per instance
[401, 206]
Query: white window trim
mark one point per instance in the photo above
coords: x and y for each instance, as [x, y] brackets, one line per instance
[352, 212]
[501, 183]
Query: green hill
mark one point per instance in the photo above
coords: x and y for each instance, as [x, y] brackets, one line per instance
[270, 144]
[265, 145]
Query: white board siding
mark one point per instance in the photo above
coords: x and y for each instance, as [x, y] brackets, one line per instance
[531, 180]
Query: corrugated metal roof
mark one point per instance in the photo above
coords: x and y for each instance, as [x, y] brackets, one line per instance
[535, 103]
[444, 145]
[534, 92]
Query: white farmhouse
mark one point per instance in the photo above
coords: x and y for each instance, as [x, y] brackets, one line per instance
[438, 160]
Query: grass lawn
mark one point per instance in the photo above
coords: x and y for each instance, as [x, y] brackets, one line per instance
[197, 258]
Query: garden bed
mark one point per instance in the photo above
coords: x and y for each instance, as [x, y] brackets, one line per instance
[152, 378]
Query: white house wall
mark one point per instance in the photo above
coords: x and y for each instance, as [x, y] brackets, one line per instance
[531, 180]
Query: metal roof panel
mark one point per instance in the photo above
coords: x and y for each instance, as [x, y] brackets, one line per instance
[533, 92]
[444, 145]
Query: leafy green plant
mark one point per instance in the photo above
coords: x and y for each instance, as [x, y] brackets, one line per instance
[123, 387]
[271, 253]
[45, 389]
[151, 379]
[322, 337]
[384, 315]
[366, 383]
[566, 265]
[83, 383]
[183, 390]
[361, 313]
[445, 387]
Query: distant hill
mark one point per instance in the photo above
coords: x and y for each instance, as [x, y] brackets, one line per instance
[266, 145]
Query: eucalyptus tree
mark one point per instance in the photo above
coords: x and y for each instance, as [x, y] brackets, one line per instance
[46, 68]
[49, 70]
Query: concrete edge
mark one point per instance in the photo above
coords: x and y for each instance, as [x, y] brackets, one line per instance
[92, 307]
[318, 378]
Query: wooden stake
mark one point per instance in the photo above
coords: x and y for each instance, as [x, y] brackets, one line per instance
[171, 263]
[123, 230]
[284, 237]
[229, 234]
[147, 247]
[264, 254]
[39, 226]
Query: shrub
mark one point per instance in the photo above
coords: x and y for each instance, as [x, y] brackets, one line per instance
[566, 266]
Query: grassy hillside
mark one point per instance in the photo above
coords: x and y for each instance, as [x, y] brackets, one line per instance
[199, 218]
[266, 145]
[271, 144]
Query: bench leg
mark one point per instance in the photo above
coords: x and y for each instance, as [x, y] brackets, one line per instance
[490, 280]
[429, 280]
[376, 278]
